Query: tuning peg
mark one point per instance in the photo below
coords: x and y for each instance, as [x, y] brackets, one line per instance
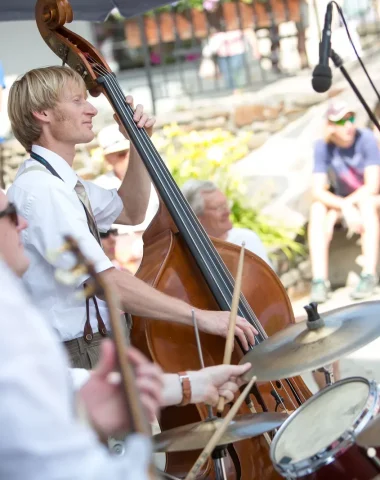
[53, 255]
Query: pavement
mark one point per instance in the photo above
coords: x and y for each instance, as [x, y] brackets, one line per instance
[364, 362]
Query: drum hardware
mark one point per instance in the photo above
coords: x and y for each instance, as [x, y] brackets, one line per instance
[218, 456]
[314, 343]
[372, 454]
[329, 375]
[318, 440]
[279, 400]
[370, 436]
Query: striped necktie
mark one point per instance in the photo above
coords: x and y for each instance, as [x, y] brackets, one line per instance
[83, 197]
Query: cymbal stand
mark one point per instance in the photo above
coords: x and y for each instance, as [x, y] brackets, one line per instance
[220, 452]
[329, 374]
[217, 455]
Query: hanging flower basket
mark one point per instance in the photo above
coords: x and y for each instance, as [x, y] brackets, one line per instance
[164, 26]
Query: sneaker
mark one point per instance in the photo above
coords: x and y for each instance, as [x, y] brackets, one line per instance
[320, 290]
[366, 286]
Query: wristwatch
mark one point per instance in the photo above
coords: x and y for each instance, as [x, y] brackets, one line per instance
[186, 388]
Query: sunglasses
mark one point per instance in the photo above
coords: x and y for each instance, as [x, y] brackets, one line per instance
[343, 121]
[10, 212]
[113, 232]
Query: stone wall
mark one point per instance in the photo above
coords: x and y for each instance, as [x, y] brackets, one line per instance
[263, 120]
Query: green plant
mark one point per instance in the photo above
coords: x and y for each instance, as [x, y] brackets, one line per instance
[210, 155]
[273, 235]
[183, 5]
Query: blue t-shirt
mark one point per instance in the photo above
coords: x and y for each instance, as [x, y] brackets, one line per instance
[345, 166]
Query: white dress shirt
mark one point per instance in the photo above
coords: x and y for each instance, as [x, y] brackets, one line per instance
[109, 181]
[252, 242]
[52, 210]
[41, 439]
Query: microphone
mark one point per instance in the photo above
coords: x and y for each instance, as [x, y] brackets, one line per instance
[322, 75]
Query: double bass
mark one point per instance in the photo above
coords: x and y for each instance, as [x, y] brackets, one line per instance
[180, 260]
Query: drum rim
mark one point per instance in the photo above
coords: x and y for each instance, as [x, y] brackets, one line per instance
[341, 444]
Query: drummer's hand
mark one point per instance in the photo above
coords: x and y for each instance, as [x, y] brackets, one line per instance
[217, 323]
[103, 396]
[142, 119]
[208, 384]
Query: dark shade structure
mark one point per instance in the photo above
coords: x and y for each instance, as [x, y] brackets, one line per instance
[91, 10]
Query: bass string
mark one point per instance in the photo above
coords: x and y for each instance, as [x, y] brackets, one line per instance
[121, 101]
[201, 235]
[273, 386]
[197, 232]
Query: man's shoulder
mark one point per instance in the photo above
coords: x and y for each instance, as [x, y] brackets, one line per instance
[35, 179]
[323, 147]
[107, 181]
[242, 233]
[37, 190]
[365, 134]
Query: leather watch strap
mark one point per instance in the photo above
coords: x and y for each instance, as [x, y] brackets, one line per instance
[186, 388]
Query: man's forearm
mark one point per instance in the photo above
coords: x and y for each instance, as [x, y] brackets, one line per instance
[329, 199]
[139, 298]
[361, 192]
[135, 189]
[172, 391]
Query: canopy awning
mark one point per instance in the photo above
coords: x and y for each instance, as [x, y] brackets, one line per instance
[91, 10]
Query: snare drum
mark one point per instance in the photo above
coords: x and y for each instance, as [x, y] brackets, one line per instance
[318, 440]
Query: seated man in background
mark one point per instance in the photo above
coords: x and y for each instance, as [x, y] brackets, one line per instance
[346, 178]
[115, 148]
[212, 209]
[123, 248]
[109, 240]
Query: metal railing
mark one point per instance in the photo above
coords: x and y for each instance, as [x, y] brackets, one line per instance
[166, 49]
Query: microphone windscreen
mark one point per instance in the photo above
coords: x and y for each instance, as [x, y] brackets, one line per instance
[322, 78]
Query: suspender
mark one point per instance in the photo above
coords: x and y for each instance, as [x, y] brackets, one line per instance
[46, 164]
[88, 333]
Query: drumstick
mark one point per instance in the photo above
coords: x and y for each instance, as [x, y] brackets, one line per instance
[231, 328]
[217, 435]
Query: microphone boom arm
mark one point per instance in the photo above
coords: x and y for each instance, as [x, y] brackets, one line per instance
[338, 62]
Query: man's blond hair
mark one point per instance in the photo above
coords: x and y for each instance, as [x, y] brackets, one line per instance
[37, 90]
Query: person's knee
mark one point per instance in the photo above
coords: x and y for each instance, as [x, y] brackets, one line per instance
[368, 206]
[318, 211]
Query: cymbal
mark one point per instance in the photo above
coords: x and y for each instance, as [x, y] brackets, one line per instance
[315, 342]
[196, 435]
[370, 436]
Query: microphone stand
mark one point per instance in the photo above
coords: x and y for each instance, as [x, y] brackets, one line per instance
[338, 62]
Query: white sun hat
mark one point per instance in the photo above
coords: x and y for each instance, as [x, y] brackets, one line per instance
[111, 140]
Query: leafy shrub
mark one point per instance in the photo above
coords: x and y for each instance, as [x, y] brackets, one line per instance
[209, 155]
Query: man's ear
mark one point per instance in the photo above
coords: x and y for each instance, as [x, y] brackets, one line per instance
[42, 116]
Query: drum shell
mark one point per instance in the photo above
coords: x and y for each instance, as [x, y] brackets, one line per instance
[353, 464]
[339, 459]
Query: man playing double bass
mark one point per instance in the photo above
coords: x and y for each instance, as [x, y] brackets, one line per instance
[50, 115]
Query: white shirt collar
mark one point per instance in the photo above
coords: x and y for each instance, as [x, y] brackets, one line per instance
[59, 164]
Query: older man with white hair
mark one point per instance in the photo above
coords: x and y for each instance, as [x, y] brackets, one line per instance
[213, 211]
